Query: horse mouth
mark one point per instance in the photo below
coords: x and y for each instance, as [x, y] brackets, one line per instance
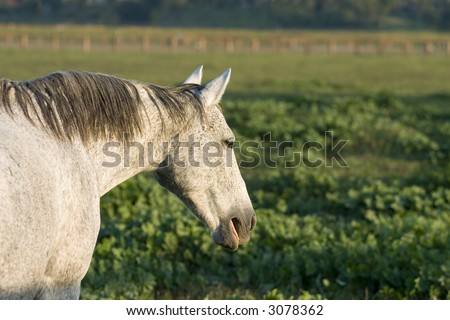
[231, 235]
[234, 225]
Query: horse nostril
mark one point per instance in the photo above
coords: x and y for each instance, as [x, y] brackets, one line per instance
[253, 222]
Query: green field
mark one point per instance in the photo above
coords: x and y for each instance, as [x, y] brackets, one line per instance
[377, 229]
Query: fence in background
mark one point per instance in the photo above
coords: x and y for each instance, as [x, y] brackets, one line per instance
[227, 44]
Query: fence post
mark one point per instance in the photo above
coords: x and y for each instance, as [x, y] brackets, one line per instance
[145, 44]
[407, 48]
[331, 47]
[55, 43]
[351, 46]
[381, 47]
[275, 45]
[86, 46]
[25, 42]
[202, 44]
[229, 45]
[255, 45]
[429, 47]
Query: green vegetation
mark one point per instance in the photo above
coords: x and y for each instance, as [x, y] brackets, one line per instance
[378, 229]
[371, 14]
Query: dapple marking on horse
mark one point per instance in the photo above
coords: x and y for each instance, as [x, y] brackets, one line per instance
[52, 136]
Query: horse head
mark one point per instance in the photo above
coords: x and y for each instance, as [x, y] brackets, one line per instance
[201, 169]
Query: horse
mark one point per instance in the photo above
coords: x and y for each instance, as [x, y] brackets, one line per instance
[69, 137]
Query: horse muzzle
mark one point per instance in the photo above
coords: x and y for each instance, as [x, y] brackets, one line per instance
[234, 231]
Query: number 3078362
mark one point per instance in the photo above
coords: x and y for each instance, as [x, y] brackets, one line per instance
[296, 310]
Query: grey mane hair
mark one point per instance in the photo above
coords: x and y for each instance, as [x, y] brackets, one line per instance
[92, 105]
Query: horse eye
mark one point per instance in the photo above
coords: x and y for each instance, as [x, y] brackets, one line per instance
[229, 143]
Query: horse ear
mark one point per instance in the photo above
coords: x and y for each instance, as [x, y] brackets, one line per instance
[195, 77]
[213, 91]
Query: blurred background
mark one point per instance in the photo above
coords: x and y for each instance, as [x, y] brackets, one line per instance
[375, 73]
[372, 14]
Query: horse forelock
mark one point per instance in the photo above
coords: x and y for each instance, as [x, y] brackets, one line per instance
[91, 105]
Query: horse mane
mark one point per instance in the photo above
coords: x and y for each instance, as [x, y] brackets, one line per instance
[92, 105]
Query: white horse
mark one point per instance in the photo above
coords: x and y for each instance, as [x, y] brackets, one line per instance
[68, 138]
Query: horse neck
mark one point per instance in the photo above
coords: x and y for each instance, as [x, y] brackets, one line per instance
[116, 161]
